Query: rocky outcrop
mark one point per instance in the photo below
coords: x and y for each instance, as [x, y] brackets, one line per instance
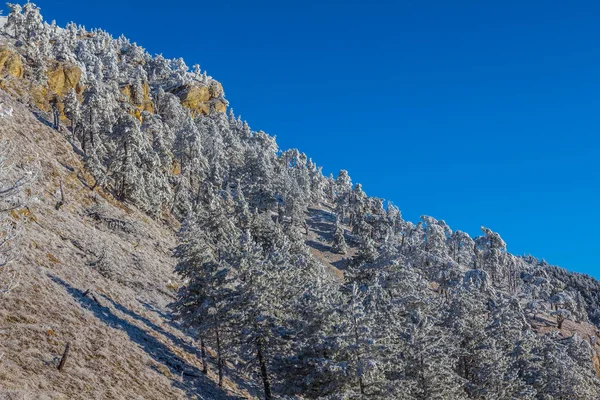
[141, 101]
[10, 63]
[63, 77]
[202, 98]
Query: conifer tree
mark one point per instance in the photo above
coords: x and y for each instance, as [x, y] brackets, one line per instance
[72, 111]
[339, 242]
[15, 22]
[207, 259]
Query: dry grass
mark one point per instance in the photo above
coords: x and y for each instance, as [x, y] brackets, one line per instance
[123, 344]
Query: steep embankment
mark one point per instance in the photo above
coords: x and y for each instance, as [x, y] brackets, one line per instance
[96, 274]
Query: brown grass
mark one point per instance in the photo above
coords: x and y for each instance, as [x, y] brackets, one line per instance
[124, 346]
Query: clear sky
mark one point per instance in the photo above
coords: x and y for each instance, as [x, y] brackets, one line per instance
[475, 112]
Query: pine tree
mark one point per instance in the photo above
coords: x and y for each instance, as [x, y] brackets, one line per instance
[73, 111]
[15, 22]
[430, 365]
[343, 186]
[207, 259]
[133, 165]
[339, 242]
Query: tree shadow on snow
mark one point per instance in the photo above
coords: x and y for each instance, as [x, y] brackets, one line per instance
[342, 264]
[318, 246]
[194, 381]
[322, 223]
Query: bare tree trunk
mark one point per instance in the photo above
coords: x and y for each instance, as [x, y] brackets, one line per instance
[361, 383]
[65, 355]
[203, 353]
[62, 197]
[263, 369]
[219, 358]
[559, 321]
[83, 140]
[122, 194]
[92, 132]
[55, 115]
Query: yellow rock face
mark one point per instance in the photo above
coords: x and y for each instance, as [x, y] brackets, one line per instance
[176, 170]
[10, 63]
[126, 91]
[145, 105]
[219, 106]
[62, 78]
[192, 96]
[202, 99]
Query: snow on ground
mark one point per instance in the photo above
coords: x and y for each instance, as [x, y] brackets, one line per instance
[2, 21]
[5, 111]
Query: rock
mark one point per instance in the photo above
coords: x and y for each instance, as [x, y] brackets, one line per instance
[192, 96]
[202, 99]
[219, 105]
[10, 63]
[62, 78]
[128, 90]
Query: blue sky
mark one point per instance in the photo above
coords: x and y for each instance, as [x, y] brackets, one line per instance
[475, 112]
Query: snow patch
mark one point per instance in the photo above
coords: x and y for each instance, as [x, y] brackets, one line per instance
[3, 21]
[5, 111]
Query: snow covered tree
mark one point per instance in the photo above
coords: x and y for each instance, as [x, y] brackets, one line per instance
[429, 363]
[461, 246]
[339, 242]
[162, 139]
[73, 112]
[15, 22]
[491, 252]
[367, 252]
[134, 165]
[207, 259]
[343, 186]
[357, 210]
[33, 23]
[567, 373]
[189, 153]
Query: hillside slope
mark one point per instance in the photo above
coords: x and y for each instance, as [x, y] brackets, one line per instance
[157, 231]
[123, 342]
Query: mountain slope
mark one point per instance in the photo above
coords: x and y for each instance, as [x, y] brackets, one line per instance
[155, 229]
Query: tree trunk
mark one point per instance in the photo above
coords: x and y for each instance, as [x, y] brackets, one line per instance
[73, 128]
[92, 132]
[263, 369]
[65, 355]
[219, 358]
[559, 321]
[122, 194]
[203, 353]
[361, 383]
[83, 140]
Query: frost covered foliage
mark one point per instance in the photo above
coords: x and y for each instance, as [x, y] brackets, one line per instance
[416, 311]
